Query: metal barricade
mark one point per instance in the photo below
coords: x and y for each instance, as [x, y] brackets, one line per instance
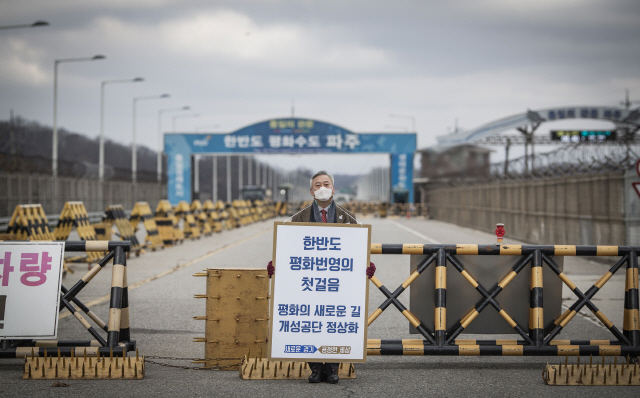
[535, 339]
[118, 339]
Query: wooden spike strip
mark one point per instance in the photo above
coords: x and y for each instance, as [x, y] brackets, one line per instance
[86, 368]
[255, 368]
[592, 374]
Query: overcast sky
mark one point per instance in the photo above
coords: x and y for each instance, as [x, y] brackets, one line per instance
[350, 63]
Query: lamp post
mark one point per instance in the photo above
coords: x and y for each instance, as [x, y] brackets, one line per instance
[173, 121]
[160, 112]
[413, 120]
[101, 151]
[54, 155]
[134, 150]
[33, 25]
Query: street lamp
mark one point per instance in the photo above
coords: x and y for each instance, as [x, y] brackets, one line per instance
[134, 150]
[160, 112]
[33, 25]
[173, 123]
[54, 155]
[101, 151]
[413, 120]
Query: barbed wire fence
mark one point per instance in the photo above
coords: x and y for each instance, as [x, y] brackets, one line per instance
[572, 159]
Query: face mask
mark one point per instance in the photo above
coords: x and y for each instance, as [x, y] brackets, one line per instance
[323, 194]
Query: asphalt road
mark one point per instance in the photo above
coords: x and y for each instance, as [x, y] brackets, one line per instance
[162, 307]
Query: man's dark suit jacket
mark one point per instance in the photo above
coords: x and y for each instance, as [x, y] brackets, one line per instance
[342, 216]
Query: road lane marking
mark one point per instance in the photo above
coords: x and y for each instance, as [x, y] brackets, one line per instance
[416, 233]
[106, 298]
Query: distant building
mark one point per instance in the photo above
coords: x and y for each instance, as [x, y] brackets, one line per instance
[439, 164]
[458, 161]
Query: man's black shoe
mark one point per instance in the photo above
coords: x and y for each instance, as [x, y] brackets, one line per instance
[332, 377]
[316, 376]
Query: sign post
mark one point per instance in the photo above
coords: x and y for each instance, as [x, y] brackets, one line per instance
[30, 278]
[319, 292]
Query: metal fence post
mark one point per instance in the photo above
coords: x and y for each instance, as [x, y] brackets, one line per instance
[631, 323]
[536, 310]
[440, 299]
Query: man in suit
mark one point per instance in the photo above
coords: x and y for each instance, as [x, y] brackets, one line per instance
[325, 210]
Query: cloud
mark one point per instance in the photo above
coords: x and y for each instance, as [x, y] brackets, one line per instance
[348, 63]
[233, 38]
[23, 63]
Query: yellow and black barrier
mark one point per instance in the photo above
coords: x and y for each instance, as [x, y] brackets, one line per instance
[213, 218]
[190, 228]
[168, 225]
[29, 222]
[535, 338]
[74, 215]
[118, 341]
[201, 218]
[142, 212]
[115, 214]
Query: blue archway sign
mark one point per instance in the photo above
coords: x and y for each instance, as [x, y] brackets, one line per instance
[282, 136]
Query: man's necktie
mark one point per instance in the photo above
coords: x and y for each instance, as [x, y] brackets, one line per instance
[324, 215]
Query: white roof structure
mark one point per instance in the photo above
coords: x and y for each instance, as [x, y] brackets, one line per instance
[613, 114]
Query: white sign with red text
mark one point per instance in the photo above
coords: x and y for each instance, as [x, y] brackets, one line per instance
[30, 278]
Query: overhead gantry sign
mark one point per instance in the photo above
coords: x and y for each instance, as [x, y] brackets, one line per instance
[287, 136]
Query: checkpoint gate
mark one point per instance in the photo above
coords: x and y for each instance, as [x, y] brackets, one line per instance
[535, 339]
[287, 136]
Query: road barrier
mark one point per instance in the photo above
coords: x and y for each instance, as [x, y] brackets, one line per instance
[118, 339]
[85, 367]
[535, 339]
[142, 212]
[74, 214]
[593, 373]
[213, 218]
[201, 218]
[168, 224]
[190, 227]
[237, 315]
[258, 368]
[29, 222]
[114, 214]
[236, 330]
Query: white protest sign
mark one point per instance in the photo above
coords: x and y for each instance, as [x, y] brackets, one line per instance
[30, 277]
[319, 292]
